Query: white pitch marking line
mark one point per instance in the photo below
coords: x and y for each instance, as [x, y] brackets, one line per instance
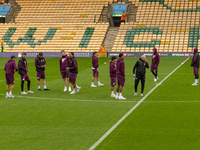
[105, 101]
[132, 109]
[59, 99]
[171, 102]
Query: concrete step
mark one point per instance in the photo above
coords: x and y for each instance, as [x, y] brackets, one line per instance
[110, 38]
[132, 13]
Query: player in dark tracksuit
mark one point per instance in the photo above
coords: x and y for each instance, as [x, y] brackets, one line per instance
[23, 71]
[10, 69]
[64, 62]
[155, 63]
[40, 65]
[195, 65]
[95, 66]
[113, 74]
[140, 68]
[120, 71]
[73, 71]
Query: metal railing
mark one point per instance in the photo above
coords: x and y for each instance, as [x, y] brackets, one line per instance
[102, 17]
[11, 18]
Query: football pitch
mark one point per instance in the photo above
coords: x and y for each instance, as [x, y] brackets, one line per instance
[166, 118]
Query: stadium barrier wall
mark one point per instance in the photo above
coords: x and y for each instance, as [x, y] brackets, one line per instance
[46, 54]
[89, 54]
[148, 54]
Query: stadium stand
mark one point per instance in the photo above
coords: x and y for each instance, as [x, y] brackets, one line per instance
[44, 11]
[175, 23]
[72, 26]
[53, 37]
[168, 25]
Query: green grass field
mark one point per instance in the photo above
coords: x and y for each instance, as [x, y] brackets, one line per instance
[167, 119]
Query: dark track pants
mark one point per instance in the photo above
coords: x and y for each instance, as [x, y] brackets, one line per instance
[137, 80]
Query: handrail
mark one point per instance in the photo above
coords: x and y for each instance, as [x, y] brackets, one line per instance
[81, 16]
[10, 9]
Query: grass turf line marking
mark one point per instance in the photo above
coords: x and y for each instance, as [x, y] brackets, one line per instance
[104, 101]
[171, 102]
[78, 75]
[132, 109]
[75, 100]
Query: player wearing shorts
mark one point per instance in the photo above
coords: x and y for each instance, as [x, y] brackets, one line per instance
[73, 71]
[64, 62]
[113, 74]
[22, 70]
[155, 63]
[40, 65]
[140, 69]
[10, 69]
[120, 76]
[195, 65]
[95, 69]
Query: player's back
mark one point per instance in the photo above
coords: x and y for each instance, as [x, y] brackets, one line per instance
[10, 66]
[64, 62]
[120, 67]
[95, 62]
[112, 69]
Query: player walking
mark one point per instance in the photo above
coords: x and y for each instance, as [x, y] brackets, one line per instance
[64, 62]
[113, 74]
[10, 69]
[73, 70]
[95, 69]
[140, 68]
[195, 65]
[120, 76]
[22, 67]
[40, 65]
[155, 63]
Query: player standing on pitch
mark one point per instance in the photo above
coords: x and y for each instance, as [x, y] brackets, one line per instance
[120, 76]
[195, 65]
[113, 74]
[140, 68]
[10, 69]
[95, 69]
[22, 67]
[73, 70]
[64, 63]
[40, 65]
[155, 63]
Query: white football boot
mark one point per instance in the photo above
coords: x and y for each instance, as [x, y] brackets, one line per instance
[8, 96]
[11, 96]
[100, 84]
[30, 92]
[121, 97]
[135, 94]
[195, 84]
[113, 95]
[93, 85]
[23, 93]
[78, 89]
[73, 92]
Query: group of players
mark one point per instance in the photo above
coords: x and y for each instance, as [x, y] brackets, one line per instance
[69, 71]
[117, 72]
[68, 68]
